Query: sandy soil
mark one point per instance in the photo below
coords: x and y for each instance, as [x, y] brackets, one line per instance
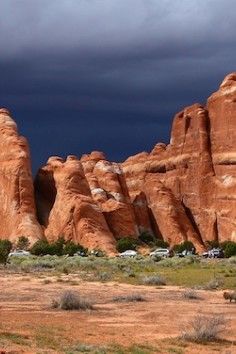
[25, 309]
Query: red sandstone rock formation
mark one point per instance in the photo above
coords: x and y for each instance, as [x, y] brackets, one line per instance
[109, 190]
[197, 168]
[17, 209]
[185, 190]
[66, 208]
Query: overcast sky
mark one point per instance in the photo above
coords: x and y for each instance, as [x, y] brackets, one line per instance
[83, 75]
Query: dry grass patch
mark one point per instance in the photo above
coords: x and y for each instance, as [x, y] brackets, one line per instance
[70, 301]
[129, 298]
[204, 329]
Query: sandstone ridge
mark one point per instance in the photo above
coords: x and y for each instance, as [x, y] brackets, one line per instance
[185, 190]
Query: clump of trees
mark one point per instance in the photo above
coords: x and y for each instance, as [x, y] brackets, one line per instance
[58, 248]
[184, 246]
[126, 243]
[5, 249]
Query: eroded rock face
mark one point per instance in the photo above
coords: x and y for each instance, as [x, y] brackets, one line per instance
[197, 171]
[17, 207]
[66, 207]
[185, 190]
[108, 188]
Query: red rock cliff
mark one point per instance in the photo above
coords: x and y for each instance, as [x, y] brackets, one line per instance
[17, 208]
[185, 190]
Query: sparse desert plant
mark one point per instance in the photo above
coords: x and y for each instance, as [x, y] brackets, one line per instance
[71, 300]
[191, 294]
[129, 298]
[214, 284]
[23, 243]
[153, 280]
[5, 248]
[203, 329]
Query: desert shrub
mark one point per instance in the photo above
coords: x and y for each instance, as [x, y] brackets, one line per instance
[23, 243]
[161, 243]
[40, 248]
[203, 329]
[232, 260]
[129, 298]
[70, 300]
[70, 248]
[212, 244]
[153, 280]
[125, 244]
[214, 284]
[191, 294]
[178, 262]
[146, 237]
[186, 245]
[5, 249]
[230, 249]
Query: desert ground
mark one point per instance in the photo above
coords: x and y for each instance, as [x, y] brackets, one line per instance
[29, 324]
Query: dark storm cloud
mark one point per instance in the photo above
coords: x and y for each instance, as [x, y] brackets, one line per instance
[109, 74]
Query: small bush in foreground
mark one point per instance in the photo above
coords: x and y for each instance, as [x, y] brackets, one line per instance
[191, 294]
[153, 280]
[70, 300]
[203, 329]
[125, 244]
[129, 298]
[5, 248]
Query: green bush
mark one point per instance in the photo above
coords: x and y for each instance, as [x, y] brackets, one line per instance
[230, 249]
[5, 249]
[57, 248]
[146, 237]
[186, 245]
[125, 244]
[161, 243]
[71, 248]
[23, 243]
[40, 248]
[212, 244]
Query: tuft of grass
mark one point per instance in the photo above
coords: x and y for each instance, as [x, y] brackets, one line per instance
[14, 337]
[191, 294]
[214, 284]
[129, 298]
[70, 300]
[204, 329]
[153, 280]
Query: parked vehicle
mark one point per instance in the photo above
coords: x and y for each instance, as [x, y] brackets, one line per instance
[19, 253]
[161, 252]
[81, 254]
[185, 253]
[128, 253]
[214, 253]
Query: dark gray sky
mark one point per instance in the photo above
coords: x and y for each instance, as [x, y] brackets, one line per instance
[82, 75]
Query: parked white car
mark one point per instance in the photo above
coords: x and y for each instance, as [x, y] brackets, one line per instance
[161, 252]
[128, 253]
[19, 253]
